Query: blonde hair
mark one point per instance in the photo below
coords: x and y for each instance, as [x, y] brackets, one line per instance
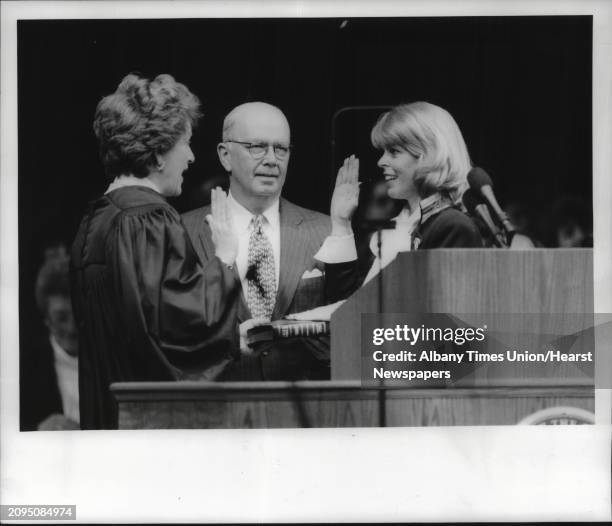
[431, 134]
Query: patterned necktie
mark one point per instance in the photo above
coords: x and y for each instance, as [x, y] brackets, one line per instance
[261, 275]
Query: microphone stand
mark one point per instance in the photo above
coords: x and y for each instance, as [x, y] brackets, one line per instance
[379, 225]
[382, 395]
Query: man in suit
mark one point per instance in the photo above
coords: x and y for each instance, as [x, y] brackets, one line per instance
[277, 242]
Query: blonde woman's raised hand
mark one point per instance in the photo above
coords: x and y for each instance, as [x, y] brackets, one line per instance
[345, 197]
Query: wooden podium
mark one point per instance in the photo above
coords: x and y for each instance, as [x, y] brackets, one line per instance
[492, 282]
[271, 405]
[459, 282]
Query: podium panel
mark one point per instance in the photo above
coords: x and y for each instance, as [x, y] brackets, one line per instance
[470, 281]
[269, 405]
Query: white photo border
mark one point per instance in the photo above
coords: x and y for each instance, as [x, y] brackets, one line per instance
[415, 474]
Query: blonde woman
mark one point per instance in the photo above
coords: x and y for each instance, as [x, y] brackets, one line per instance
[425, 162]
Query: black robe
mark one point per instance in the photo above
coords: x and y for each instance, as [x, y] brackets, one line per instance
[145, 306]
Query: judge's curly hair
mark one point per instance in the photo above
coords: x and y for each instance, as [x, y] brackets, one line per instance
[141, 119]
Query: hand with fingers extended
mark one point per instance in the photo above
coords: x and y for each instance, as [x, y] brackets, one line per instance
[221, 225]
[345, 197]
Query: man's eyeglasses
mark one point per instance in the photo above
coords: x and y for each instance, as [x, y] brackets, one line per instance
[259, 150]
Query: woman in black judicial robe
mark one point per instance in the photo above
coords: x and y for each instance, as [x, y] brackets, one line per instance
[146, 308]
[425, 163]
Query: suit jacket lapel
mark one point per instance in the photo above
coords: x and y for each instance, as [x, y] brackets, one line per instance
[205, 236]
[292, 254]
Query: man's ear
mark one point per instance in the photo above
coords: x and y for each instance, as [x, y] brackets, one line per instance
[224, 153]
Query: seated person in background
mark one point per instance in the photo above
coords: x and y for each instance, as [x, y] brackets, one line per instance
[569, 224]
[375, 212]
[375, 205]
[425, 162]
[49, 374]
[200, 194]
[522, 218]
[146, 307]
[276, 244]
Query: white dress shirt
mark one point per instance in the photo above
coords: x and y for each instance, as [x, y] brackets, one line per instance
[131, 180]
[340, 249]
[242, 225]
[67, 372]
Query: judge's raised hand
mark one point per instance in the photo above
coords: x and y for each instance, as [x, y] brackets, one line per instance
[222, 227]
[345, 197]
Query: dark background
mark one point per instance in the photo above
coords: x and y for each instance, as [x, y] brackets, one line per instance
[519, 88]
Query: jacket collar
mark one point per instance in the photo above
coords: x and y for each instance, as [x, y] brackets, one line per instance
[432, 205]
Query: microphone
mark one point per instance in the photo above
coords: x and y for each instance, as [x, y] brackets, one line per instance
[481, 183]
[477, 207]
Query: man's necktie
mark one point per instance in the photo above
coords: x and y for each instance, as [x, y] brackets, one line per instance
[261, 275]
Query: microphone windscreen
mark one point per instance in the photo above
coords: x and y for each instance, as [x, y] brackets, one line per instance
[477, 178]
[471, 201]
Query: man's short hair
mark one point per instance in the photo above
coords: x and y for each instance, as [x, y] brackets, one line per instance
[230, 118]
